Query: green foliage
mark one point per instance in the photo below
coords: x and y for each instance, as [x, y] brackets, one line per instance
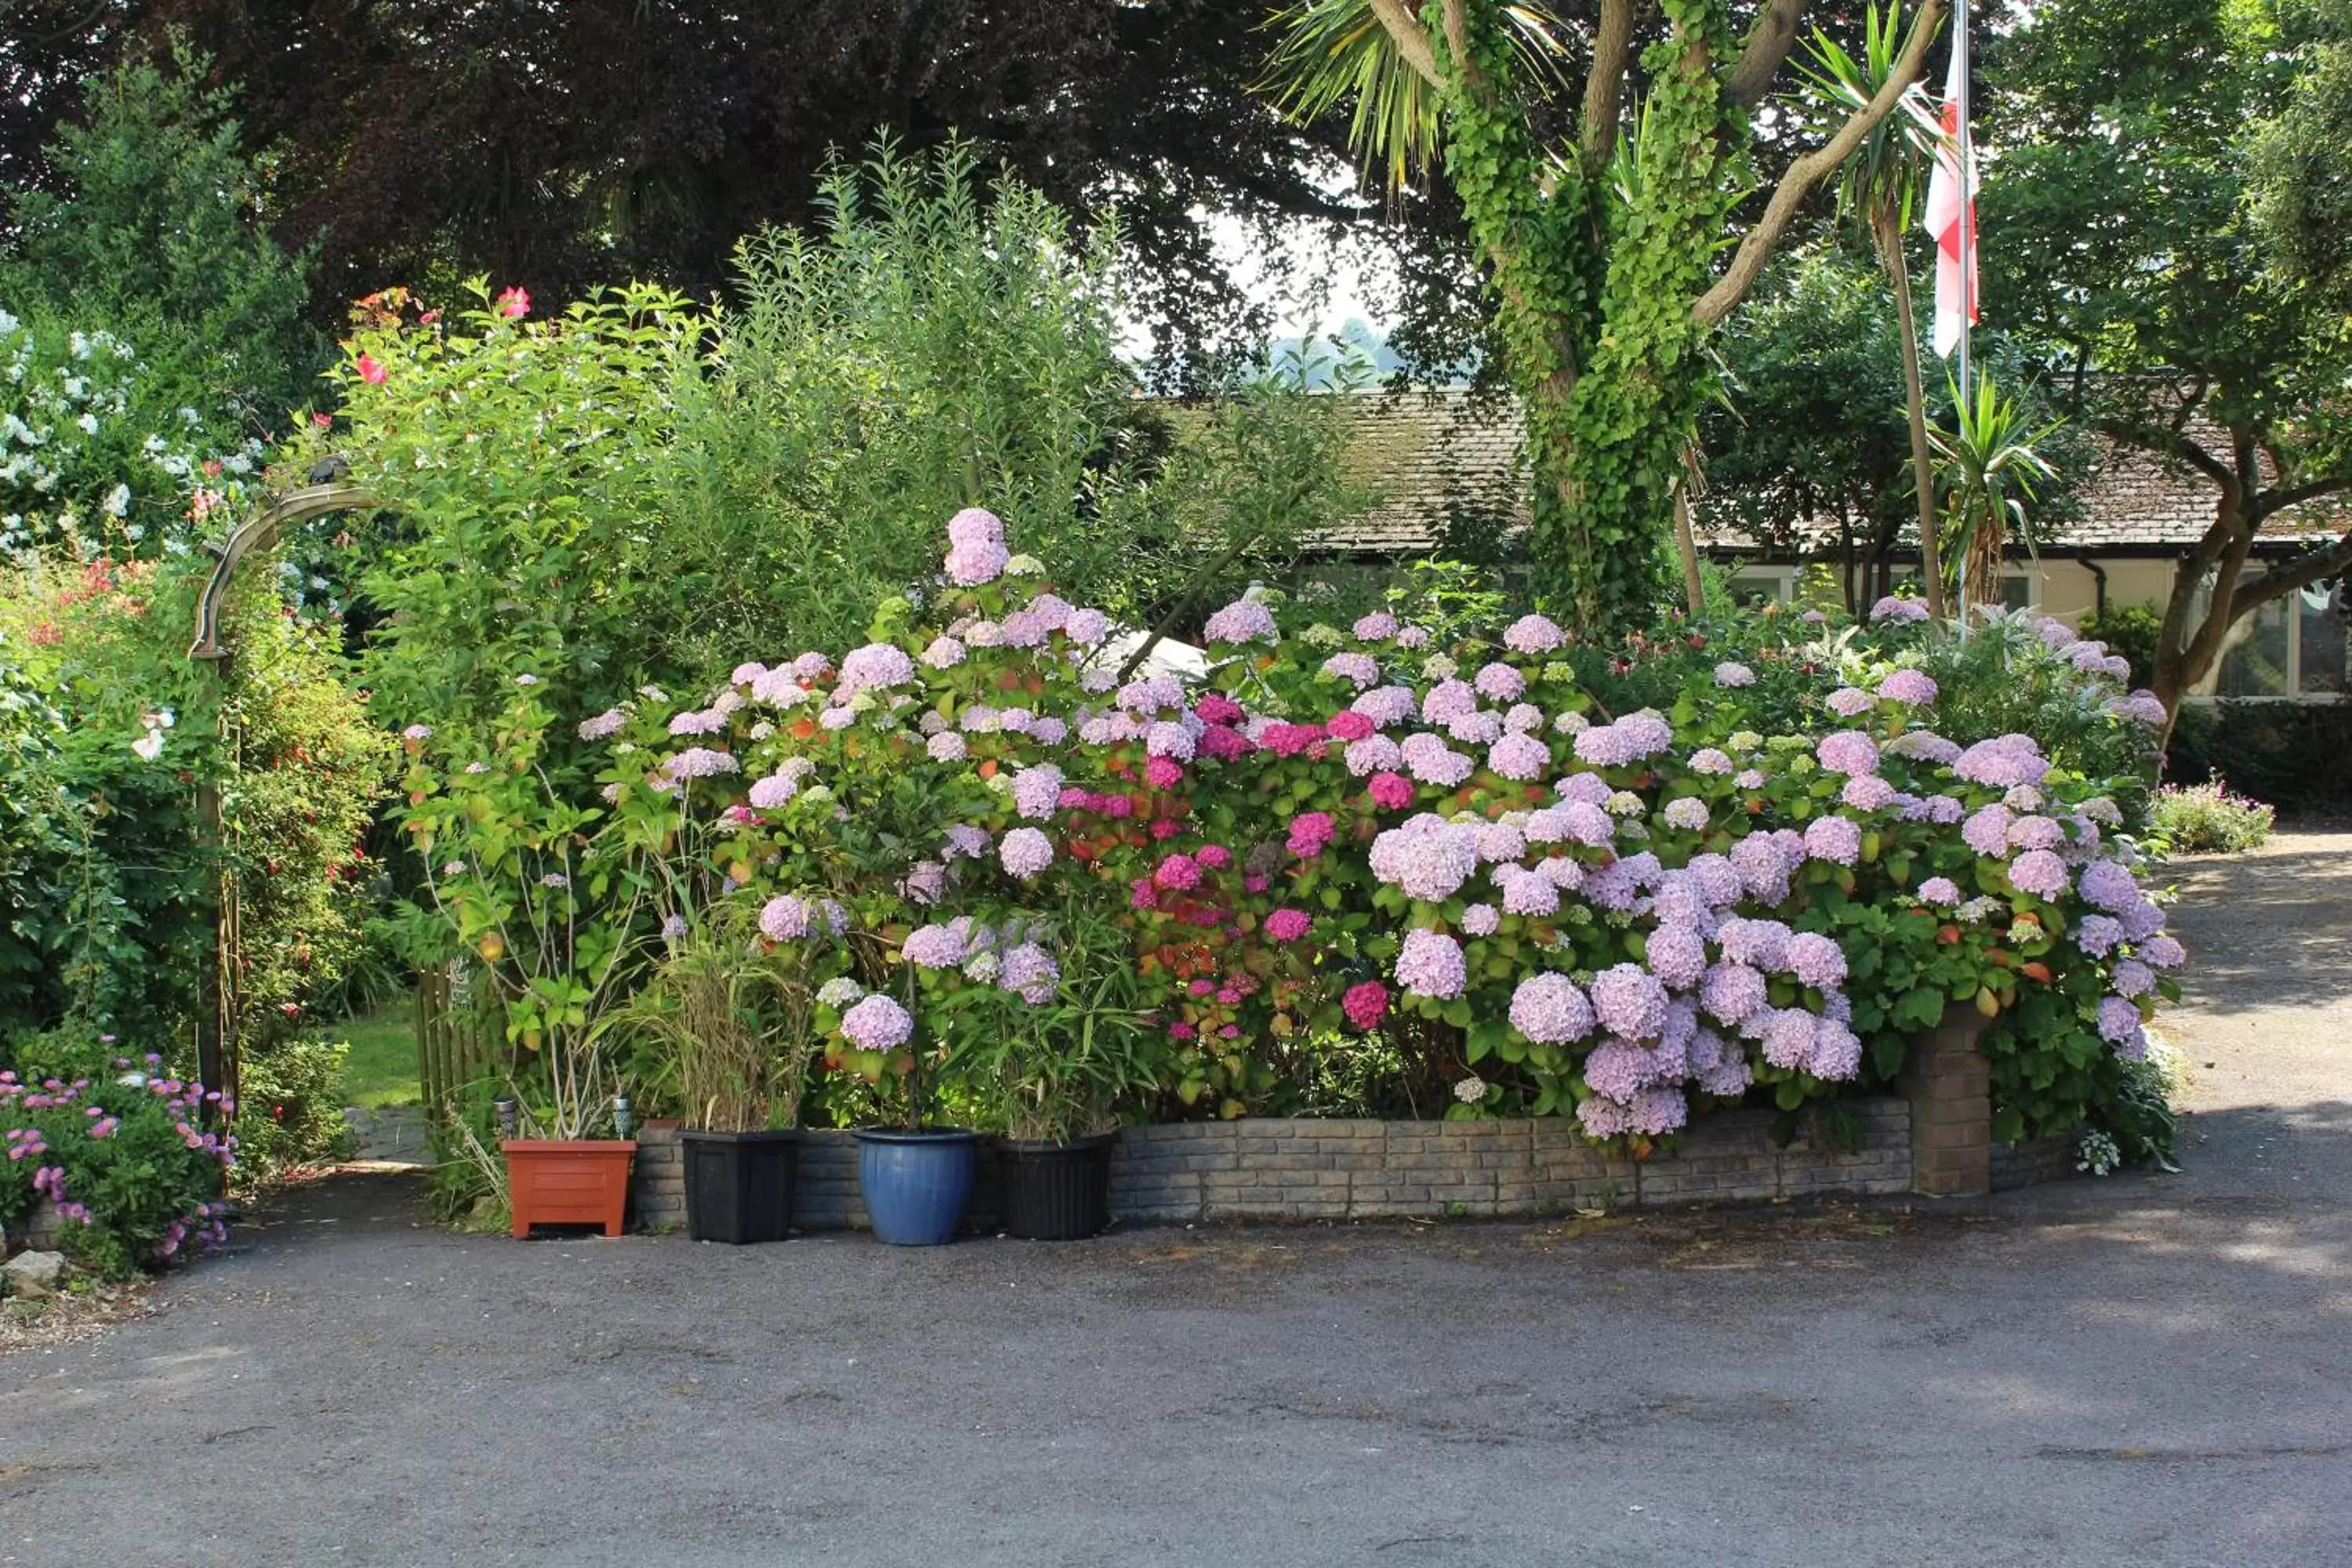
[289, 1111]
[2004, 678]
[1990, 469]
[2207, 819]
[153, 235]
[2289, 754]
[640, 492]
[2301, 177]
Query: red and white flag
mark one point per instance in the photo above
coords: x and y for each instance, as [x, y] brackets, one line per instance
[1952, 219]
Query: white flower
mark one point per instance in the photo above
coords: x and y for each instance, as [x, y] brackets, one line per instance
[1471, 1089]
[118, 500]
[149, 745]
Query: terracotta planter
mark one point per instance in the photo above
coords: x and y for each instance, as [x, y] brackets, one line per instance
[582, 1181]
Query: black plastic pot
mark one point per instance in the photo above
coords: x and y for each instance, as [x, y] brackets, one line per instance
[739, 1186]
[1055, 1191]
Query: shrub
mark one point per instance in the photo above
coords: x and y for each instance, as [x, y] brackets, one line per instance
[120, 1154]
[1620, 915]
[290, 1110]
[634, 489]
[2207, 819]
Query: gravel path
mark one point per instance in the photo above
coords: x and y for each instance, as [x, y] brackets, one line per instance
[2151, 1370]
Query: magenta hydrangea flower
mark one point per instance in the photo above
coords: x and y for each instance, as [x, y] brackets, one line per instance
[1310, 834]
[1390, 790]
[1288, 925]
[877, 1023]
[1531, 634]
[1912, 688]
[1550, 1010]
[1177, 873]
[1024, 852]
[1365, 1003]
[1848, 752]
[1833, 838]
[1431, 964]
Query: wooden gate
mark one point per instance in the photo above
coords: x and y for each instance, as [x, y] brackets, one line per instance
[455, 1042]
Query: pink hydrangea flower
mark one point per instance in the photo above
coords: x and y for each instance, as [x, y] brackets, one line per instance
[1365, 1003]
[1431, 964]
[1288, 925]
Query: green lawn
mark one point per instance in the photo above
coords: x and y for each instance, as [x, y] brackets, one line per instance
[380, 1068]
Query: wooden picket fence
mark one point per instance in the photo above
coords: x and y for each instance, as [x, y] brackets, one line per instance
[455, 1044]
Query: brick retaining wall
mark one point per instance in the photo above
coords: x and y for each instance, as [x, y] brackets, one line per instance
[1936, 1140]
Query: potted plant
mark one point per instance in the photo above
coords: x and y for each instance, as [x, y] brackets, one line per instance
[1052, 1069]
[732, 1012]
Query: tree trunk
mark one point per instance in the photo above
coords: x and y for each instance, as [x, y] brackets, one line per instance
[1687, 545]
[1889, 237]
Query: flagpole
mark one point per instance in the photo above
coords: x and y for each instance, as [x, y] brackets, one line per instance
[1967, 195]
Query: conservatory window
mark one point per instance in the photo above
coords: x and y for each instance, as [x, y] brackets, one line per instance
[1763, 585]
[2293, 646]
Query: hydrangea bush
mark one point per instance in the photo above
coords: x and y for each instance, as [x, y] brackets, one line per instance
[134, 1176]
[1620, 915]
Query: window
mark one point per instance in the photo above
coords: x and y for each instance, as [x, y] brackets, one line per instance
[2295, 646]
[1762, 584]
[2017, 591]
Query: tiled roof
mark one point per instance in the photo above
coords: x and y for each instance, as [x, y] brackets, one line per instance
[1456, 456]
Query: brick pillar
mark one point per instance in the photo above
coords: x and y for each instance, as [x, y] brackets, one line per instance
[1949, 1085]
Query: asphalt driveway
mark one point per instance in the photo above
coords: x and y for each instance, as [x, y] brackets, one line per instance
[2149, 1370]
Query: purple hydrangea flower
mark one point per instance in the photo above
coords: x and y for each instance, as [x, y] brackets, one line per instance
[1518, 756]
[784, 918]
[933, 947]
[1629, 1001]
[1378, 627]
[1030, 971]
[1527, 892]
[878, 664]
[1528, 634]
[1869, 793]
[877, 1024]
[1550, 1010]
[1730, 674]
[1815, 960]
[1431, 964]
[1763, 943]
[1848, 752]
[1987, 830]
[1789, 1037]
[1848, 701]
[1242, 621]
[1036, 791]
[1836, 1053]
[2119, 1021]
[1939, 891]
[1499, 683]
[2160, 951]
[1902, 612]
[1912, 688]
[1359, 670]
[1730, 992]
[1835, 838]
[2109, 885]
[1678, 956]
[1024, 852]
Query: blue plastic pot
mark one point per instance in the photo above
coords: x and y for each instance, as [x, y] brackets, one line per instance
[916, 1184]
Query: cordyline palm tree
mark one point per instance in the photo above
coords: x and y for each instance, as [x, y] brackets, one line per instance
[1877, 188]
[1988, 470]
[1605, 162]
